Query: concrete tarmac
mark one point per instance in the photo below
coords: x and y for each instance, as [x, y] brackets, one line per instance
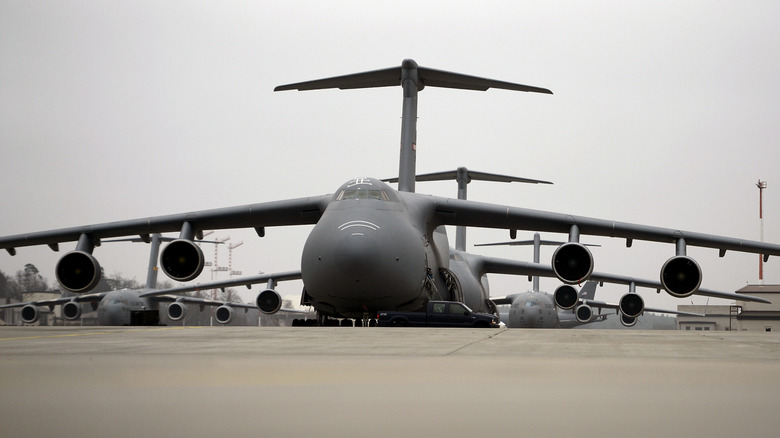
[345, 382]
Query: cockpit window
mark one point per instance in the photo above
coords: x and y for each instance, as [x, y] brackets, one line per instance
[361, 193]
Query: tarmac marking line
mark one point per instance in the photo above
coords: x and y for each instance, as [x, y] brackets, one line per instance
[71, 335]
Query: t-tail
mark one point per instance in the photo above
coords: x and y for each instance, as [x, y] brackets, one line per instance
[464, 176]
[412, 78]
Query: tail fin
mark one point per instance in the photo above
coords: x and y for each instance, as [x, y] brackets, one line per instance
[413, 79]
[588, 292]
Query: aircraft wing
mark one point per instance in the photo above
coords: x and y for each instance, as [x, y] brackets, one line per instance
[58, 301]
[605, 305]
[243, 281]
[300, 211]
[477, 214]
[202, 301]
[514, 267]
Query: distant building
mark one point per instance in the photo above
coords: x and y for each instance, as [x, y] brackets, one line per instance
[716, 318]
[742, 316]
[758, 316]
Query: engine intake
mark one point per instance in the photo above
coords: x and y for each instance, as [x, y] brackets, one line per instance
[78, 271]
[632, 305]
[566, 297]
[572, 263]
[681, 276]
[71, 310]
[30, 314]
[583, 313]
[223, 314]
[182, 260]
[176, 311]
[269, 301]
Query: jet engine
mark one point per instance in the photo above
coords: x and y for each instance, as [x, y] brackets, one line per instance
[182, 260]
[30, 314]
[71, 310]
[223, 314]
[176, 311]
[566, 297]
[78, 271]
[631, 305]
[572, 262]
[627, 321]
[681, 276]
[583, 313]
[269, 301]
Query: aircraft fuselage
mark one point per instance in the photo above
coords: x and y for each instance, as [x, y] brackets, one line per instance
[117, 306]
[370, 251]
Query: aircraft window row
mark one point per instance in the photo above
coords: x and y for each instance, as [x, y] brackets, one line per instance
[361, 193]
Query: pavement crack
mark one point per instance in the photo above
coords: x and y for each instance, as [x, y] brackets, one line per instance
[477, 341]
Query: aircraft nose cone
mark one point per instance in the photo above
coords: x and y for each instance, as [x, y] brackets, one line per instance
[357, 255]
[532, 316]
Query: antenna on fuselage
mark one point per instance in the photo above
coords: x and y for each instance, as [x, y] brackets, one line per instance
[464, 176]
[413, 79]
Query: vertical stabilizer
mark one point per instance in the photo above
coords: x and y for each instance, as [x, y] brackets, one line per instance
[154, 253]
[588, 292]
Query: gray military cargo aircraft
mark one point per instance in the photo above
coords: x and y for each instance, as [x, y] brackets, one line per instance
[375, 248]
[132, 307]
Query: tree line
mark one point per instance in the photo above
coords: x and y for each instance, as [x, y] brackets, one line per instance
[30, 280]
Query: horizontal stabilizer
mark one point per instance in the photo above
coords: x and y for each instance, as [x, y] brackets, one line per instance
[529, 243]
[472, 175]
[426, 77]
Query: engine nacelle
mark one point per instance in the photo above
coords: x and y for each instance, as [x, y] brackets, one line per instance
[78, 271]
[269, 301]
[223, 314]
[566, 297]
[583, 313]
[176, 311]
[71, 310]
[631, 305]
[30, 314]
[182, 260]
[627, 321]
[681, 276]
[572, 263]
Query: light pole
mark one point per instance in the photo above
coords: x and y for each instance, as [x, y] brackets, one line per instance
[761, 186]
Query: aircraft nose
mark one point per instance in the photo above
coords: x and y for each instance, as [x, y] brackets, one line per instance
[357, 255]
[532, 315]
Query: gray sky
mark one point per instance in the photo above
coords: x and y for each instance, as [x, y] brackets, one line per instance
[663, 114]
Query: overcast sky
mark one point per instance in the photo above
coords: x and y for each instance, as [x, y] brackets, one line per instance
[664, 113]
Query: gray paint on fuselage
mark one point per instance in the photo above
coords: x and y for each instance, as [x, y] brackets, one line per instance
[116, 306]
[373, 251]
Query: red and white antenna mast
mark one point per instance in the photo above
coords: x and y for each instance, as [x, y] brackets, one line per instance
[761, 186]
